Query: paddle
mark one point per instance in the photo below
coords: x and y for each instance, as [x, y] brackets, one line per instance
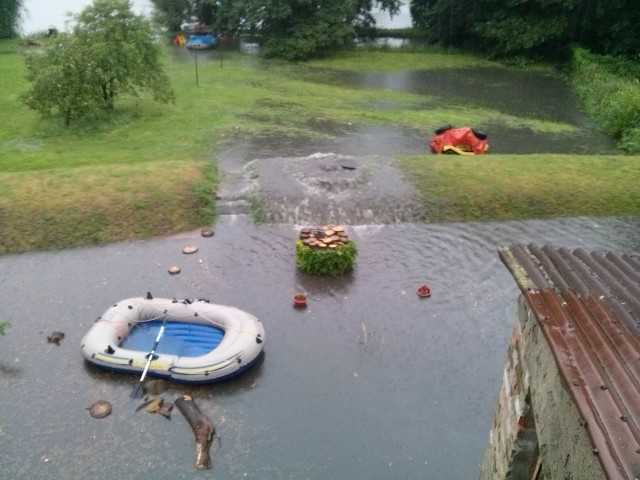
[136, 393]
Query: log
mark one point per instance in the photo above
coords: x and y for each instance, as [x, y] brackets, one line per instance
[203, 430]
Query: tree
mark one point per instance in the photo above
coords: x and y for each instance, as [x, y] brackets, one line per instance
[122, 45]
[64, 77]
[9, 18]
[172, 13]
[445, 22]
[532, 28]
[542, 28]
[111, 51]
[291, 29]
[609, 27]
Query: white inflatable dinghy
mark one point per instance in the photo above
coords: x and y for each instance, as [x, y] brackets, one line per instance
[200, 342]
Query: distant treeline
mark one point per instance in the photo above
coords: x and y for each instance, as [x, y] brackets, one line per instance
[540, 29]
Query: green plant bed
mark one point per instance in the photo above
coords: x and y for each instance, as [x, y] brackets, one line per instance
[326, 261]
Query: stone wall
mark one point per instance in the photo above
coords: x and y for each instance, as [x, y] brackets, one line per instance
[536, 425]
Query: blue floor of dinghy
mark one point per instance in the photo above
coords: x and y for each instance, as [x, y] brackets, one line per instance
[184, 339]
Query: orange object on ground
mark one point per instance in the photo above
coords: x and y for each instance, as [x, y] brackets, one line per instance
[463, 141]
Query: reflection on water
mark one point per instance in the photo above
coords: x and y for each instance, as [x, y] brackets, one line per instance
[370, 381]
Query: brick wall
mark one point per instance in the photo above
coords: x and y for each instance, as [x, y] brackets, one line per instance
[535, 419]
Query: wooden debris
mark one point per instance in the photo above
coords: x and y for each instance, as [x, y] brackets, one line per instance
[202, 427]
[156, 404]
[327, 236]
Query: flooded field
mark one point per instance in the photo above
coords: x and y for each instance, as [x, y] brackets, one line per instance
[519, 93]
[369, 381]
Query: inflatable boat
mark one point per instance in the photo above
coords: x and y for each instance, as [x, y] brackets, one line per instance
[200, 342]
[202, 41]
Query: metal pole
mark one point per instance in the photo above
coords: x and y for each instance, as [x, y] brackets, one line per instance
[196, 58]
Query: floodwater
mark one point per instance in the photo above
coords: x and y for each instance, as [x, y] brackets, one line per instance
[369, 381]
[508, 91]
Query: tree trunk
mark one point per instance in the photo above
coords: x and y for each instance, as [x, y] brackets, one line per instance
[203, 430]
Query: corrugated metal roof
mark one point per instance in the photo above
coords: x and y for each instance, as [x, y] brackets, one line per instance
[588, 307]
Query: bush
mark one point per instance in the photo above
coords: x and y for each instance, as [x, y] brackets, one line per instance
[630, 141]
[3, 327]
[609, 89]
[324, 261]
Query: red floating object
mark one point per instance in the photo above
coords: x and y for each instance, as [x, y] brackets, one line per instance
[300, 299]
[424, 291]
[463, 141]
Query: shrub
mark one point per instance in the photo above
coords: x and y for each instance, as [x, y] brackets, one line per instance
[610, 91]
[3, 327]
[325, 261]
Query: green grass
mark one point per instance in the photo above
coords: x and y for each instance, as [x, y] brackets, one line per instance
[98, 180]
[381, 60]
[506, 187]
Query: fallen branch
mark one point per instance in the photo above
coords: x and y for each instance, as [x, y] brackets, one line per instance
[203, 430]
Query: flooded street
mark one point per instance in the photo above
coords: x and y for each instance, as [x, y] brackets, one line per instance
[369, 381]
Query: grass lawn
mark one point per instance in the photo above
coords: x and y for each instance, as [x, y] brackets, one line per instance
[508, 187]
[98, 180]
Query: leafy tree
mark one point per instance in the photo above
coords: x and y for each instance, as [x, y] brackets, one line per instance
[9, 18]
[609, 27]
[111, 51]
[291, 29]
[533, 28]
[171, 13]
[123, 47]
[445, 22]
[64, 76]
[300, 29]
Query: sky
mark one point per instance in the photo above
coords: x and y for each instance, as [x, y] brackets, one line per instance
[39, 15]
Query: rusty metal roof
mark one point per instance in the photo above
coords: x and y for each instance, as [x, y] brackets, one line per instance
[588, 307]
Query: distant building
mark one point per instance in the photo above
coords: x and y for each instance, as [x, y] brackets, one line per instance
[569, 405]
